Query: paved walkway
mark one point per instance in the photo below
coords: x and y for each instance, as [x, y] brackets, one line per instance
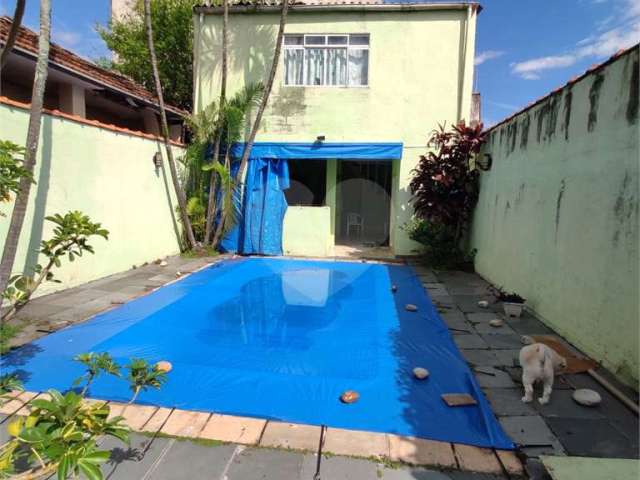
[561, 427]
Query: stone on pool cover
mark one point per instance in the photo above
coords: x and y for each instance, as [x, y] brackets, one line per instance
[410, 307]
[420, 373]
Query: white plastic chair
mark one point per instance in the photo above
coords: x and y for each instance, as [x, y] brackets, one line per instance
[354, 220]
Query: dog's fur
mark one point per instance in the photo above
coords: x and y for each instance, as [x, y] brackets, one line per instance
[539, 363]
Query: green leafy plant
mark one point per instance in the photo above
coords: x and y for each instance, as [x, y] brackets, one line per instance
[126, 36]
[7, 332]
[70, 239]
[96, 364]
[143, 376]
[60, 434]
[8, 383]
[440, 249]
[11, 170]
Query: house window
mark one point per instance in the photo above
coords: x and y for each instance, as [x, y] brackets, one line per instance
[329, 60]
[307, 183]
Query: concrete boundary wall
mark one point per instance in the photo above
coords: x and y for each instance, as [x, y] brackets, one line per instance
[107, 174]
[557, 218]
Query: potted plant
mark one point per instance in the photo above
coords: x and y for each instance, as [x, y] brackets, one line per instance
[511, 302]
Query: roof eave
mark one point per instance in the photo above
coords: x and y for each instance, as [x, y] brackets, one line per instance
[389, 7]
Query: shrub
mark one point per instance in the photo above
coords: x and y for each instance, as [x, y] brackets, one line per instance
[440, 247]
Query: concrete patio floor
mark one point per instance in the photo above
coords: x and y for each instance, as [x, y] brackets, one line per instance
[561, 428]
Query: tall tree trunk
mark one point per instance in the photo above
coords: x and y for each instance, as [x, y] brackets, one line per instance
[11, 38]
[267, 93]
[33, 138]
[182, 201]
[211, 207]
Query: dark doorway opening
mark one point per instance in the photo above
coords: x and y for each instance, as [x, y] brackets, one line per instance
[363, 202]
[307, 183]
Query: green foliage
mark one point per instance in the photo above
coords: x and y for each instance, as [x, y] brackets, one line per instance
[11, 170]
[441, 248]
[173, 22]
[7, 332]
[197, 212]
[8, 383]
[143, 376]
[96, 364]
[62, 432]
[70, 239]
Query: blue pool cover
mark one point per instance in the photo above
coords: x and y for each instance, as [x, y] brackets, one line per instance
[282, 339]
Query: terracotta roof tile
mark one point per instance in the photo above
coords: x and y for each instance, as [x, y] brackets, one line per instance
[27, 42]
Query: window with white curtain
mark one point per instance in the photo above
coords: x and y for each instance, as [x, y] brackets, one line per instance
[329, 60]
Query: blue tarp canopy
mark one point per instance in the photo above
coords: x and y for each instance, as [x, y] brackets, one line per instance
[321, 150]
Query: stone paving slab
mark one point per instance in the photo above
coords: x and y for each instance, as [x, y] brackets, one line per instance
[291, 436]
[498, 342]
[470, 341]
[507, 402]
[476, 459]
[479, 357]
[562, 404]
[588, 437]
[227, 428]
[533, 433]
[357, 444]
[338, 468]
[133, 461]
[264, 464]
[413, 474]
[417, 451]
[189, 460]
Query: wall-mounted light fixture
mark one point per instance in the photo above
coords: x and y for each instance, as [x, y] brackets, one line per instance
[320, 138]
[157, 160]
[484, 162]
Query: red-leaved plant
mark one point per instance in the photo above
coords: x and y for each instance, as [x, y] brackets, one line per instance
[444, 186]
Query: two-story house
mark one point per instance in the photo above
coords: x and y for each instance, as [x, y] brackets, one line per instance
[359, 87]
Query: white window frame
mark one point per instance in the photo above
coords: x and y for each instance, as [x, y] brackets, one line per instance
[304, 46]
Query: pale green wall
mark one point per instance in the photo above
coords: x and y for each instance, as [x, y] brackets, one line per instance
[420, 72]
[107, 175]
[307, 232]
[557, 219]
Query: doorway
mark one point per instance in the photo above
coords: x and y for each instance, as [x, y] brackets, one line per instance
[363, 202]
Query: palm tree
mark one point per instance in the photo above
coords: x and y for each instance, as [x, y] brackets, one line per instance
[13, 33]
[267, 92]
[33, 137]
[211, 207]
[182, 200]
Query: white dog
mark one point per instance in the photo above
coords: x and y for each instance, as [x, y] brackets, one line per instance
[539, 364]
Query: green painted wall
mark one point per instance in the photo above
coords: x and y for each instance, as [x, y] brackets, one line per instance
[420, 70]
[307, 232]
[557, 218]
[107, 175]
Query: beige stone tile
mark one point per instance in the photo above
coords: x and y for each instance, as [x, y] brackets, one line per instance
[228, 428]
[356, 443]
[418, 451]
[184, 423]
[291, 435]
[136, 416]
[157, 420]
[17, 402]
[476, 459]
[116, 409]
[511, 463]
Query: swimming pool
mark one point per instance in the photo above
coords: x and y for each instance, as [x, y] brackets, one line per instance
[282, 339]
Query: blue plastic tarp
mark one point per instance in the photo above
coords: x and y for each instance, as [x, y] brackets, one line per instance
[282, 339]
[322, 150]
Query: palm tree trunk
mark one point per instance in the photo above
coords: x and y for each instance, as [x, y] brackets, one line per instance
[211, 207]
[182, 200]
[33, 138]
[267, 93]
[263, 104]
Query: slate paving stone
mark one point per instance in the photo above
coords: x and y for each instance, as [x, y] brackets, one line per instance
[588, 437]
[563, 405]
[494, 378]
[483, 358]
[532, 431]
[507, 357]
[485, 328]
[536, 470]
[133, 461]
[507, 402]
[503, 341]
[469, 303]
[264, 464]
[186, 459]
[470, 341]
[481, 317]
[412, 474]
[528, 325]
[339, 468]
[473, 476]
